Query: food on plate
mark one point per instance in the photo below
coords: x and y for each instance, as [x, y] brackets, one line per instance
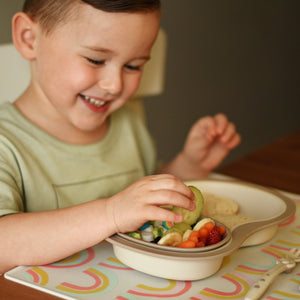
[204, 233]
[195, 231]
[202, 222]
[186, 234]
[224, 210]
[232, 220]
[207, 233]
[174, 235]
[214, 204]
[169, 234]
[191, 217]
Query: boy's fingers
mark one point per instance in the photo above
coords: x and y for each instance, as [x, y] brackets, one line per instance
[162, 214]
[236, 140]
[205, 123]
[170, 183]
[221, 123]
[229, 133]
[167, 197]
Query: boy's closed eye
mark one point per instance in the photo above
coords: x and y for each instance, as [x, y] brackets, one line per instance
[133, 68]
[95, 61]
[102, 62]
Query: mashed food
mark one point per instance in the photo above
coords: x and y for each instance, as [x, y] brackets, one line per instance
[224, 210]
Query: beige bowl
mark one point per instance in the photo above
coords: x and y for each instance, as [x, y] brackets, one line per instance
[269, 208]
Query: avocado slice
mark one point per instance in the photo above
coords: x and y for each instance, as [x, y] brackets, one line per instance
[191, 217]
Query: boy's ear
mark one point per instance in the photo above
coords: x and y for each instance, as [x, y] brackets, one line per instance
[24, 35]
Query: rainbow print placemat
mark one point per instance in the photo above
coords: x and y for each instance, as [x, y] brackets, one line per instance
[95, 273]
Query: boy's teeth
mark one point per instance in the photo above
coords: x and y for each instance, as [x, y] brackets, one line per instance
[95, 102]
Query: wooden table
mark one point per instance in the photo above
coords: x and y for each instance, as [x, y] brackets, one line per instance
[276, 165]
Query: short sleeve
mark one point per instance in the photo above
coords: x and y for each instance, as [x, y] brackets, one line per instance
[10, 183]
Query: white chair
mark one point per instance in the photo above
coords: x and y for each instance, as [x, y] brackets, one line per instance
[15, 74]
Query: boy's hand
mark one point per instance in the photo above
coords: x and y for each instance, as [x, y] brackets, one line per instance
[208, 142]
[141, 202]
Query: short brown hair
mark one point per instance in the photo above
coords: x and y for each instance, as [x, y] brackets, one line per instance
[50, 13]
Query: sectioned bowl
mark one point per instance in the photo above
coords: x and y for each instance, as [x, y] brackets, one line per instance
[225, 239]
[267, 207]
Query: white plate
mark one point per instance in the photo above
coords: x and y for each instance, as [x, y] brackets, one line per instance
[269, 208]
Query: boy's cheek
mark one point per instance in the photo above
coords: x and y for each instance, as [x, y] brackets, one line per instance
[134, 85]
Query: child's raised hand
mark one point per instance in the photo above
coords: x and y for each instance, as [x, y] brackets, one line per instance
[208, 142]
[142, 201]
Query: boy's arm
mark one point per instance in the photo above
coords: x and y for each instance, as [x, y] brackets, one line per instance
[43, 237]
[182, 168]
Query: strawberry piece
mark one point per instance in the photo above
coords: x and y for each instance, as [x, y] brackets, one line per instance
[214, 236]
[200, 244]
[202, 239]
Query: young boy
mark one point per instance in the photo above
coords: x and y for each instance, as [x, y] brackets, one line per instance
[76, 163]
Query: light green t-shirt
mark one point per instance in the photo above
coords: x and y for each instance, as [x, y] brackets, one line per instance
[39, 172]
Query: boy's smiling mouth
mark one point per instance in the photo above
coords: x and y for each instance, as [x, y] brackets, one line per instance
[97, 103]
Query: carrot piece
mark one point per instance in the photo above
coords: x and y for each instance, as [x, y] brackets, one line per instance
[193, 238]
[194, 234]
[209, 226]
[187, 244]
[203, 232]
[222, 229]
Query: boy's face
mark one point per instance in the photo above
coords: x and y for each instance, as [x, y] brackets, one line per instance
[89, 67]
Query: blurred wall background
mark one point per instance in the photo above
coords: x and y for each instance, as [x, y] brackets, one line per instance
[7, 10]
[237, 57]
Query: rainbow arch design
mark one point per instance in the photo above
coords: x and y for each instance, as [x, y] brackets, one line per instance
[296, 279]
[256, 269]
[279, 295]
[129, 297]
[277, 255]
[241, 288]
[274, 251]
[296, 231]
[76, 260]
[38, 276]
[102, 282]
[114, 263]
[288, 222]
[172, 289]
[226, 262]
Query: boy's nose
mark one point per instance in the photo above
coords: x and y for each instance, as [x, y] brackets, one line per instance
[110, 81]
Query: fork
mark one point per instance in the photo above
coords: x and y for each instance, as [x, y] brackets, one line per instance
[286, 264]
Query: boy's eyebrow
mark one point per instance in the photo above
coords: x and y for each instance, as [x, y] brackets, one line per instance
[98, 49]
[104, 50]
